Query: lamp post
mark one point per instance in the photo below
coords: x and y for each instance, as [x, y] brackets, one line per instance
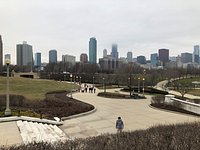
[93, 81]
[129, 79]
[139, 85]
[104, 85]
[77, 79]
[143, 79]
[71, 83]
[80, 79]
[7, 111]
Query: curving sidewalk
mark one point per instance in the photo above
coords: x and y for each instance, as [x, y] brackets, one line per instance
[136, 115]
[162, 84]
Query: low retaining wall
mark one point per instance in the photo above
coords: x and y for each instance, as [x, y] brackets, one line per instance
[192, 107]
[24, 118]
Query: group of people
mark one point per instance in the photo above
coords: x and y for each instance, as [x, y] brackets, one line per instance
[85, 88]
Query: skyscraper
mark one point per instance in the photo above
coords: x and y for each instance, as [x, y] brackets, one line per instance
[24, 54]
[196, 54]
[129, 56]
[84, 58]
[163, 56]
[53, 56]
[93, 50]
[186, 57]
[114, 52]
[154, 59]
[141, 59]
[37, 62]
[1, 52]
[68, 62]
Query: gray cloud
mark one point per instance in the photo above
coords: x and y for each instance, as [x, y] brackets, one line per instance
[140, 26]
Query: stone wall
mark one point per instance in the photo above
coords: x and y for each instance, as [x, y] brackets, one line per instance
[192, 107]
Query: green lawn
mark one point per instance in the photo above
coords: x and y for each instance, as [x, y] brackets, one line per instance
[33, 89]
[189, 81]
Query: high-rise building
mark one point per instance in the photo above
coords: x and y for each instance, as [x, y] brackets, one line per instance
[114, 52]
[154, 59]
[84, 58]
[186, 57]
[141, 60]
[163, 55]
[129, 56]
[1, 52]
[53, 56]
[93, 50]
[37, 62]
[196, 54]
[24, 54]
[68, 62]
[105, 53]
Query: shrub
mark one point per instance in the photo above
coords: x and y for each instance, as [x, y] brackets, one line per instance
[112, 95]
[164, 137]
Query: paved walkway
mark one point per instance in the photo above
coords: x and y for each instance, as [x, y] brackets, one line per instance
[9, 134]
[161, 85]
[136, 115]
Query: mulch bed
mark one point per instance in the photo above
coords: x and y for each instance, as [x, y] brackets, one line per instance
[56, 104]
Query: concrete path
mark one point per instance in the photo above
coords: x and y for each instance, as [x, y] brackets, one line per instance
[136, 115]
[9, 134]
[161, 85]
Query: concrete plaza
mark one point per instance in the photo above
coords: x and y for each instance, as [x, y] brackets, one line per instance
[136, 114]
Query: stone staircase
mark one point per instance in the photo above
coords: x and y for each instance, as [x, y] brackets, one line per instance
[40, 132]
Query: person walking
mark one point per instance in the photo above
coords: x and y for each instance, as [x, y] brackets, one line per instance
[119, 125]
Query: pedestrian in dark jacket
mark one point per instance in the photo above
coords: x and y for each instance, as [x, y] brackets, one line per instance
[119, 125]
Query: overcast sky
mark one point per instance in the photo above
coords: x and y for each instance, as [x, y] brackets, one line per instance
[140, 26]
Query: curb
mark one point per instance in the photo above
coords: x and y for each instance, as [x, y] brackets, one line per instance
[79, 115]
[24, 118]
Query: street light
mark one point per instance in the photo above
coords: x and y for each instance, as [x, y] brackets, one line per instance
[143, 85]
[74, 79]
[71, 83]
[77, 79]
[80, 79]
[93, 81]
[104, 85]
[139, 85]
[7, 111]
[130, 85]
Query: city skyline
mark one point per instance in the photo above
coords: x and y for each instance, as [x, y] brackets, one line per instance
[141, 27]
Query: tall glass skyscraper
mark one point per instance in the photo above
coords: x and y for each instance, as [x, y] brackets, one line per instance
[114, 52]
[196, 54]
[37, 61]
[93, 50]
[1, 52]
[154, 59]
[24, 54]
[53, 56]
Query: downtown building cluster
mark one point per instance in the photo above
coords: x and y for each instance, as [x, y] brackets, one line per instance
[109, 61]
